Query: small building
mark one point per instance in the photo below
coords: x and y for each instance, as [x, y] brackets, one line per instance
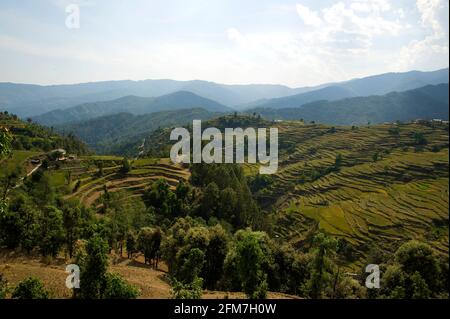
[60, 150]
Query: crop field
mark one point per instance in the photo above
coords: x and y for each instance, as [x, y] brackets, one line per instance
[386, 190]
[87, 181]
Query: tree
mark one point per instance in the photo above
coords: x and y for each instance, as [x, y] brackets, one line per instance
[71, 221]
[149, 242]
[192, 290]
[10, 180]
[215, 255]
[93, 267]
[190, 266]
[5, 149]
[118, 288]
[131, 244]
[19, 224]
[52, 231]
[338, 161]
[126, 167]
[5, 142]
[210, 200]
[375, 156]
[321, 268]
[3, 287]
[419, 139]
[418, 257]
[250, 260]
[419, 287]
[30, 288]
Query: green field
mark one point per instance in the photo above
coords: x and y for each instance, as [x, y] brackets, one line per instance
[398, 194]
[142, 174]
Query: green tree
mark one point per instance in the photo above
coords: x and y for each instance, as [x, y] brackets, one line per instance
[126, 167]
[149, 242]
[250, 261]
[3, 287]
[30, 288]
[321, 268]
[192, 290]
[71, 221]
[418, 257]
[52, 231]
[118, 288]
[93, 267]
[131, 244]
[210, 200]
[419, 287]
[5, 149]
[215, 256]
[338, 161]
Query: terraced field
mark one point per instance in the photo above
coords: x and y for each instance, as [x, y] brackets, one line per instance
[388, 188]
[91, 184]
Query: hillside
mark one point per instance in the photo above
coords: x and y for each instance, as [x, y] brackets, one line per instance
[372, 188]
[130, 104]
[377, 185]
[32, 138]
[391, 185]
[429, 102]
[122, 133]
[372, 85]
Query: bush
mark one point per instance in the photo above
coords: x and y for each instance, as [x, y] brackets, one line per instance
[192, 290]
[30, 288]
[118, 288]
[3, 287]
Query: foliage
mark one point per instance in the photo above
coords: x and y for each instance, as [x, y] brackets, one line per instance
[30, 288]
[192, 290]
[118, 288]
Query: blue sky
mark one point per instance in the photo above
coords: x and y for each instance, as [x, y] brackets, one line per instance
[296, 43]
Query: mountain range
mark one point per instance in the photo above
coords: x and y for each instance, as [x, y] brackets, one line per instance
[116, 132]
[130, 104]
[27, 100]
[428, 102]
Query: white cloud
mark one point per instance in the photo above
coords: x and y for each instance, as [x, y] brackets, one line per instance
[433, 49]
[310, 18]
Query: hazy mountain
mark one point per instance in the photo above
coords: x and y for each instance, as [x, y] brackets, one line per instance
[117, 132]
[428, 102]
[30, 100]
[372, 85]
[130, 104]
[327, 93]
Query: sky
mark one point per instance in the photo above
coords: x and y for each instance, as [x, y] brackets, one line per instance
[296, 43]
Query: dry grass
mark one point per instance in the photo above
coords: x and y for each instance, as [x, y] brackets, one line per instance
[151, 283]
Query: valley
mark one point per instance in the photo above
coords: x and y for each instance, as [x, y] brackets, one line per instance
[362, 178]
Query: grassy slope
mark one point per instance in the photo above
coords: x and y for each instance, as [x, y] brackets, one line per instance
[150, 283]
[142, 174]
[402, 195]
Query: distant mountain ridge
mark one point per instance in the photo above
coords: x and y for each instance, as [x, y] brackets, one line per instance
[28, 100]
[130, 104]
[120, 133]
[428, 102]
[31, 100]
[372, 85]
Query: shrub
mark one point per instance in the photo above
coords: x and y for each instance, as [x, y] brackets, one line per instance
[118, 288]
[30, 288]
